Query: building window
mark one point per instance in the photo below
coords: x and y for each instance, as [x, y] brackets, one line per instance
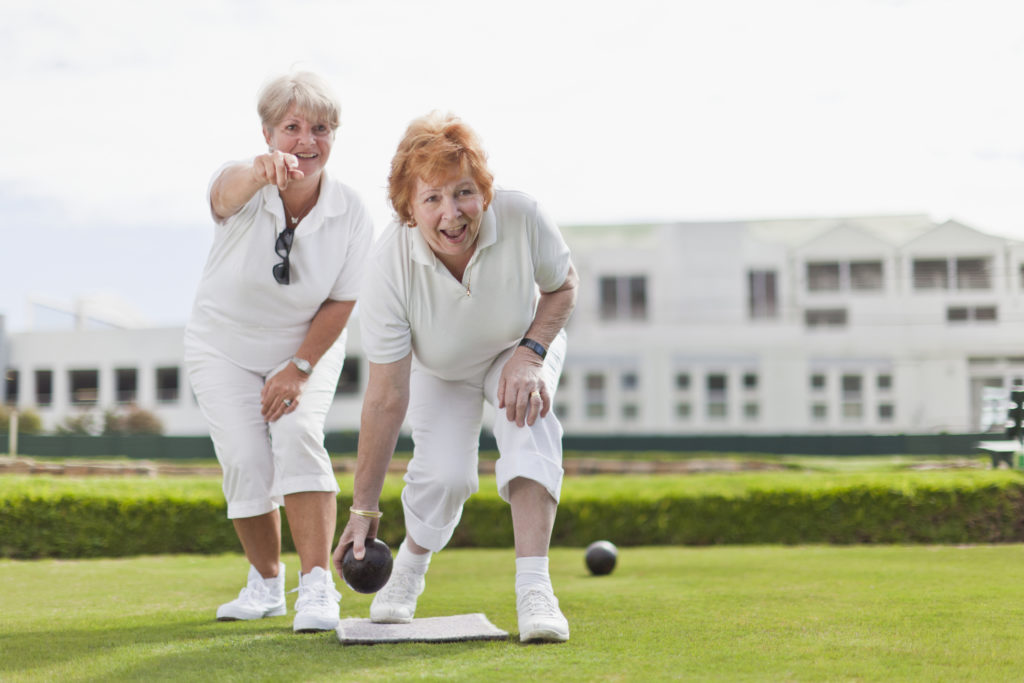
[886, 412]
[563, 380]
[126, 385]
[819, 412]
[750, 381]
[751, 411]
[931, 274]
[44, 387]
[623, 298]
[853, 411]
[818, 382]
[851, 387]
[884, 382]
[852, 397]
[167, 387]
[85, 387]
[11, 387]
[973, 273]
[630, 381]
[866, 276]
[762, 296]
[683, 381]
[683, 410]
[965, 314]
[594, 399]
[630, 411]
[823, 277]
[825, 317]
[348, 380]
[717, 396]
[562, 411]
[959, 273]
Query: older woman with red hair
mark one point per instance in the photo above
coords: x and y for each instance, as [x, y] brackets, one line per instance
[465, 300]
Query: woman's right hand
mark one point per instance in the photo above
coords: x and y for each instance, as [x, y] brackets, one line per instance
[277, 168]
[358, 529]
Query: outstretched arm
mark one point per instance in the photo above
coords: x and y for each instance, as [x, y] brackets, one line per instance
[384, 406]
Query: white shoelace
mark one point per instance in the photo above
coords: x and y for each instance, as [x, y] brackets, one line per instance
[403, 588]
[255, 593]
[317, 595]
[539, 603]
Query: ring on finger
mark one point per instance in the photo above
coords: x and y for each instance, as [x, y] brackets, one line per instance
[287, 402]
[535, 393]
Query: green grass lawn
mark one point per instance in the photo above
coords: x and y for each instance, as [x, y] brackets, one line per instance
[719, 613]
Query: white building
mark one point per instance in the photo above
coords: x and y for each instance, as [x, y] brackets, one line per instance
[859, 325]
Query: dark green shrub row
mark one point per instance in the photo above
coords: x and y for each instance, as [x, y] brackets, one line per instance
[64, 525]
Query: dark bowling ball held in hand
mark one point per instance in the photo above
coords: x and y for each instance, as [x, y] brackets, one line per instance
[601, 557]
[369, 574]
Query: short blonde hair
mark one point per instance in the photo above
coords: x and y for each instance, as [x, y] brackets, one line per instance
[304, 89]
[434, 145]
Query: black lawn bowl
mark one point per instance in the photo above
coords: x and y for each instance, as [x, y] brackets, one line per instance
[601, 557]
[369, 574]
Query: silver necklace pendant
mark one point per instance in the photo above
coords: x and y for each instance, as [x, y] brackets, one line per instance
[295, 220]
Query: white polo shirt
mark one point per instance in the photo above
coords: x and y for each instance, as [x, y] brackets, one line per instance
[410, 301]
[241, 311]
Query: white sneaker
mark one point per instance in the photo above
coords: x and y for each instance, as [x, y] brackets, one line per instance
[260, 598]
[396, 601]
[540, 620]
[317, 608]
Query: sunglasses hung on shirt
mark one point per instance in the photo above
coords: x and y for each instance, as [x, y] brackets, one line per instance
[283, 247]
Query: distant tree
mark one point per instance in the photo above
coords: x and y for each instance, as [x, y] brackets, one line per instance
[29, 421]
[82, 423]
[133, 420]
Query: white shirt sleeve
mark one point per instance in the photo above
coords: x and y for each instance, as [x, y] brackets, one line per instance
[383, 307]
[347, 285]
[551, 256]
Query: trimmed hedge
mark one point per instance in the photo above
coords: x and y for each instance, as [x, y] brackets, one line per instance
[36, 522]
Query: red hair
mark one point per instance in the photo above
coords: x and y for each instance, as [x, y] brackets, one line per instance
[434, 148]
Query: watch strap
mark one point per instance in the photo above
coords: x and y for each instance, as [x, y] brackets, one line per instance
[534, 346]
[304, 366]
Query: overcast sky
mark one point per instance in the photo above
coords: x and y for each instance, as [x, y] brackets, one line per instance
[116, 112]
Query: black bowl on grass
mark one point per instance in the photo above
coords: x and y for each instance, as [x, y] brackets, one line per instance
[601, 557]
[371, 573]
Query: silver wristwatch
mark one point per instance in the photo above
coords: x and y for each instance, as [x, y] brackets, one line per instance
[304, 366]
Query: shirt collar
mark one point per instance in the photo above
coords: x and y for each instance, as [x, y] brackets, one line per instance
[330, 203]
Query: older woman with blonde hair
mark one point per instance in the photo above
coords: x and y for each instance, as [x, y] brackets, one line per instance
[465, 301]
[265, 343]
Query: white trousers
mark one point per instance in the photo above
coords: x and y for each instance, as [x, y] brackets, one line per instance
[446, 417]
[263, 462]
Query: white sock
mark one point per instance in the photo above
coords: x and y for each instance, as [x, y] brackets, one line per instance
[532, 572]
[409, 560]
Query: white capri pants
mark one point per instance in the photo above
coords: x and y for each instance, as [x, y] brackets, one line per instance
[446, 417]
[263, 462]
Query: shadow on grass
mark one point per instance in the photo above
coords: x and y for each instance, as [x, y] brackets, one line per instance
[206, 650]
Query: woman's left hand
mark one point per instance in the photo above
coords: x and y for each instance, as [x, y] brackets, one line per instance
[281, 393]
[521, 390]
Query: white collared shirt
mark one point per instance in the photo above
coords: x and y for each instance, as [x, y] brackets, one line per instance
[241, 310]
[410, 301]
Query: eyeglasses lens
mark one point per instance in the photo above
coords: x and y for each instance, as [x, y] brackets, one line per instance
[283, 247]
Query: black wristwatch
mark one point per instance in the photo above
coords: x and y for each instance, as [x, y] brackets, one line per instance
[536, 347]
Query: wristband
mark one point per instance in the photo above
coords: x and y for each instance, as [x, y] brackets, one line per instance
[372, 514]
[534, 346]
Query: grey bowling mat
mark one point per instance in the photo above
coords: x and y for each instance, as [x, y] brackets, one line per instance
[428, 630]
